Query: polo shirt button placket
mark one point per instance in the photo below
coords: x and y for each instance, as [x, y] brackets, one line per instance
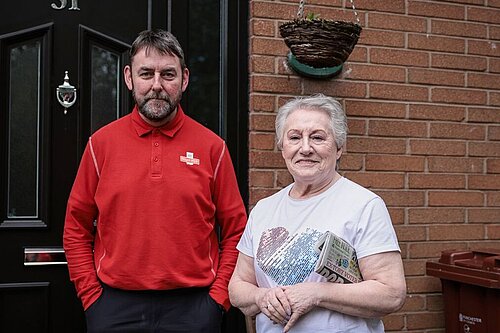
[156, 168]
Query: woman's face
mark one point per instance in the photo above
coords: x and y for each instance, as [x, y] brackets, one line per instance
[309, 147]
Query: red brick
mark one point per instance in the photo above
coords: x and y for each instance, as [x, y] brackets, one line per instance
[494, 133]
[494, 66]
[394, 163]
[410, 233]
[422, 284]
[484, 215]
[394, 6]
[268, 46]
[396, 22]
[262, 64]
[434, 303]
[459, 96]
[455, 164]
[335, 88]
[481, 80]
[399, 57]
[372, 145]
[377, 180]
[367, 108]
[424, 320]
[484, 115]
[493, 166]
[262, 122]
[276, 84]
[462, 29]
[488, 149]
[433, 249]
[266, 159]
[356, 126]
[484, 182]
[283, 178]
[436, 77]
[397, 128]
[258, 194]
[399, 92]
[493, 199]
[486, 48]
[493, 231]
[262, 102]
[437, 147]
[262, 141]
[370, 72]
[436, 43]
[458, 232]
[402, 198]
[457, 131]
[397, 215]
[439, 181]
[495, 98]
[382, 38]
[427, 9]
[429, 215]
[263, 28]
[457, 199]
[393, 322]
[261, 178]
[437, 112]
[266, 9]
[459, 62]
[482, 244]
[487, 15]
[351, 162]
[414, 267]
[359, 54]
[494, 32]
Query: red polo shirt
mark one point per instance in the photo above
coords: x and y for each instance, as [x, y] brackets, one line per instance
[157, 195]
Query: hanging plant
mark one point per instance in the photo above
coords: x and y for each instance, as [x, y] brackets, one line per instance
[321, 44]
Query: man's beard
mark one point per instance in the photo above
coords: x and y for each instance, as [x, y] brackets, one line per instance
[157, 106]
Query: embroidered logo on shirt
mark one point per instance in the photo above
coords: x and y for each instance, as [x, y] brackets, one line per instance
[189, 159]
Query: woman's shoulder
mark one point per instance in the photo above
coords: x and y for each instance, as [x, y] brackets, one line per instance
[352, 189]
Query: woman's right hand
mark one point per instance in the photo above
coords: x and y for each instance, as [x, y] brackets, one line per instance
[274, 304]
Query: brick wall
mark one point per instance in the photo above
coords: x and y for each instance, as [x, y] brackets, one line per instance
[422, 95]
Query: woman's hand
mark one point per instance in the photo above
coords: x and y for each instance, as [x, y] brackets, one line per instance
[274, 304]
[302, 300]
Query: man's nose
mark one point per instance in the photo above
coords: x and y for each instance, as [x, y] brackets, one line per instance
[157, 82]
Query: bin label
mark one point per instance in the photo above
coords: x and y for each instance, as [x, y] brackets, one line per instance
[469, 319]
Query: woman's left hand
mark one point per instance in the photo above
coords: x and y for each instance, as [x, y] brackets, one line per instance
[302, 300]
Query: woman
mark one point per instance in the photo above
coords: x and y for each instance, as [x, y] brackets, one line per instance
[274, 277]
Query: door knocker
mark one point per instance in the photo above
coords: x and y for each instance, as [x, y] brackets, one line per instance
[66, 93]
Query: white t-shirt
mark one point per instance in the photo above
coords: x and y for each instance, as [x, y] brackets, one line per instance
[281, 233]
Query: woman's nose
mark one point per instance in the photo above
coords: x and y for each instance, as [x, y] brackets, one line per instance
[305, 147]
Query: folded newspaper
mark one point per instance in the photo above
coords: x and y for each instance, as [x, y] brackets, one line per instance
[337, 260]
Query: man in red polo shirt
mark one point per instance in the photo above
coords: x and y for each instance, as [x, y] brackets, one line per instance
[151, 191]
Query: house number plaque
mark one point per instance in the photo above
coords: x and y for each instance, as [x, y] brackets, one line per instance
[64, 3]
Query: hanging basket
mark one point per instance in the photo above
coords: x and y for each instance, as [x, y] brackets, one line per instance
[320, 43]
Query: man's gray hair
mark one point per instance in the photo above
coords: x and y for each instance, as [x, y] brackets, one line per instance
[160, 40]
[319, 102]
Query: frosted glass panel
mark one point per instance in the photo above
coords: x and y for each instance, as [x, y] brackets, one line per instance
[104, 87]
[24, 115]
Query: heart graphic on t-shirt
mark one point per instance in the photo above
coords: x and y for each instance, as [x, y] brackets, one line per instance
[287, 259]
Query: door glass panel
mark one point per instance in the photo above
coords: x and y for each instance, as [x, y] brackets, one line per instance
[24, 114]
[204, 63]
[104, 87]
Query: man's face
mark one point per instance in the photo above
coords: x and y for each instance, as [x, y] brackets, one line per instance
[157, 83]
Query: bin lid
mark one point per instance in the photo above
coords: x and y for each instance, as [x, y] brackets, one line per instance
[478, 267]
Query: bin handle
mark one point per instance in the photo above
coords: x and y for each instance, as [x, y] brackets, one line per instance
[492, 263]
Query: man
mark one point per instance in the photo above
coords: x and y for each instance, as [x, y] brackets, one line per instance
[141, 224]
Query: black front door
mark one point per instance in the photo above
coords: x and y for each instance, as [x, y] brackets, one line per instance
[80, 47]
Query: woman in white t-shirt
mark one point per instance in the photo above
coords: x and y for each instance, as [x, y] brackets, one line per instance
[275, 278]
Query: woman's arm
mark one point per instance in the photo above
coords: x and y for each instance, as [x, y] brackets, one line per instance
[383, 291]
[251, 299]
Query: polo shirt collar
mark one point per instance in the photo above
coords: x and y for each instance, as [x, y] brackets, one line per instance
[169, 129]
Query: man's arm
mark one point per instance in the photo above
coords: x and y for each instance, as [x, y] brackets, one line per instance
[231, 216]
[78, 237]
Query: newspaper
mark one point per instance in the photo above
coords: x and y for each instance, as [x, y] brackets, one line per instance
[337, 260]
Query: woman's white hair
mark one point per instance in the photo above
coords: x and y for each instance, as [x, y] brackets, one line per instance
[319, 102]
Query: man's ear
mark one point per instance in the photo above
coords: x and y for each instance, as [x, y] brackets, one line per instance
[127, 75]
[185, 79]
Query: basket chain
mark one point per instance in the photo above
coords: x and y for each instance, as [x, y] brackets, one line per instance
[300, 12]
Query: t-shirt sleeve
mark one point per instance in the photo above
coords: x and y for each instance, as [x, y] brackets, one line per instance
[375, 232]
[245, 245]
